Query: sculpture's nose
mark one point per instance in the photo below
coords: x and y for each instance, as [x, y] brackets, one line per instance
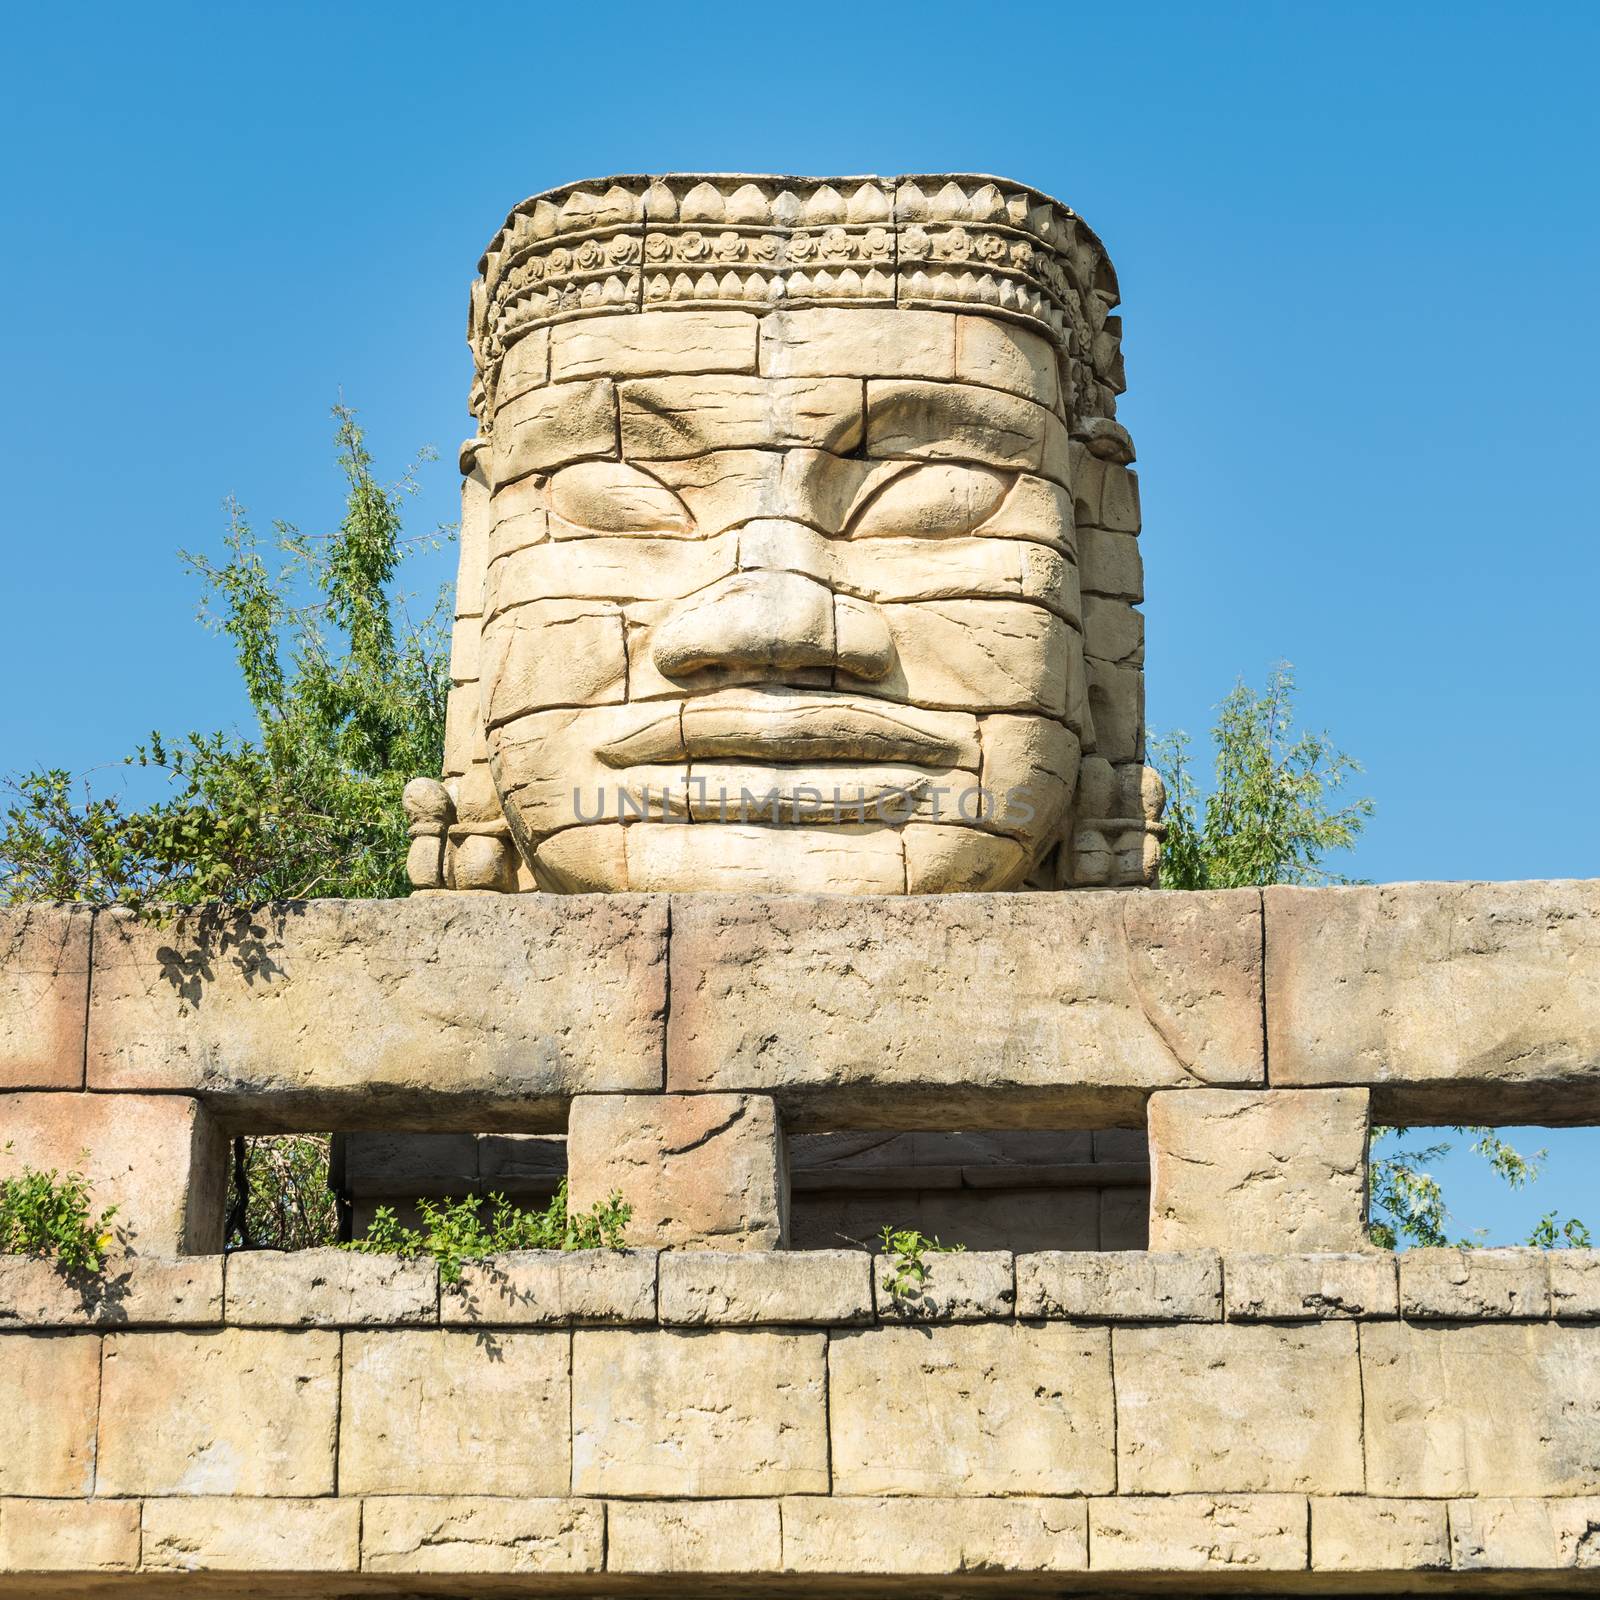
[778, 614]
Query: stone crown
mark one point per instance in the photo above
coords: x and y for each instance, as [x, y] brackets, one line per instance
[956, 242]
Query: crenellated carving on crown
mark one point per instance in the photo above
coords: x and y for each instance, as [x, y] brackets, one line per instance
[953, 242]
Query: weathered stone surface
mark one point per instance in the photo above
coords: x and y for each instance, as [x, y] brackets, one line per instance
[1457, 1002]
[1199, 1533]
[647, 343]
[237, 1412]
[159, 1159]
[1288, 1288]
[700, 1171]
[454, 1413]
[131, 1291]
[1522, 1535]
[961, 1286]
[844, 342]
[716, 1536]
[44, 995]
[1468, 1285]
[863, 1535]
[1495, 1409]
[700, 1287]
[457, 1533]
[1004, 356]
[1120, 1285]
[553, 1286]
[1194, 1413]
[554, 426]
[69, 1536]
[980, 1409]
[1575, 1284]
[1353, 1533]
[329, 1288]
[445, 1008]
[239, 1535]
[703, 1414]
[873, 1008]
[673, 418]
[49, 1410]
[1265, 1171]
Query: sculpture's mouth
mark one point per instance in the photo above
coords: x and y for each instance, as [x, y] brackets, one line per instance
[790, 728]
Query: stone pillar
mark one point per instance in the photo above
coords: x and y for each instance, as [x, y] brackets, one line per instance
[160, 1160]
[701, 1171]
[1268, 1171]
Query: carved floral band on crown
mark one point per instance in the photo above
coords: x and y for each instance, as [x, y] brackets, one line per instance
[708, 240]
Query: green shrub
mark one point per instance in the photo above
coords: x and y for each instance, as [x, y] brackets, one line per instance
[45, 1214]
[904, 1249]
[455, 1231]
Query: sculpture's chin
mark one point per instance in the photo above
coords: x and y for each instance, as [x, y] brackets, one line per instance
[727, 858]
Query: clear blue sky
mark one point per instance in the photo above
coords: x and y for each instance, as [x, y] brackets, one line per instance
[1358, 250]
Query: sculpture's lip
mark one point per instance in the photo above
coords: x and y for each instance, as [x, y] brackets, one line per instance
[792, 727]
[806, 794]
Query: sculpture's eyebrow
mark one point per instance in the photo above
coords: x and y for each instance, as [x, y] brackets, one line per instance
[955, 422]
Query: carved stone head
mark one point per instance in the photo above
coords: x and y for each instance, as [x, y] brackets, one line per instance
[797, 549]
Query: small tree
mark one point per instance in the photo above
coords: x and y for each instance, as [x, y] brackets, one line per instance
[1269, 817]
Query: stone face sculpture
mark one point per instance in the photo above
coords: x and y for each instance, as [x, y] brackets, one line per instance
[798, 549]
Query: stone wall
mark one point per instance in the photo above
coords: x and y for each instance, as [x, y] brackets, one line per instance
[1260, 1402]
[334, 1424]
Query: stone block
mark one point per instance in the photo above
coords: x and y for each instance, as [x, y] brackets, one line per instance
[329, 1288]
[449, 1011]
[1001, 355]
[449, 1412]
[693, 1536]
[979, 1409]
[1456, 1002]
[1575, 1284]
[1266, 1288]
[159, 1159]
[869, 1012]
[554, 426]
[132, 1291]
[1120, 1285]
[525, 366]
[1524, 1535]
[68, 1536]
[702, 1414]
[44, 995]
[1238, 1410]
[674, 418]
[1353, 1533]
[958, 1286]
[845, 342]
[1199, 1533]
[1264, 1172]
[953, 421]
[411, 1166]
[1492, 1409]
[1110, 564]
[553, 1287]
[236, 1412]
[461, 1534]
[653, 343]
[49, 1412]
[700, 1171]
[700, 1287]
[934, 1536]
[1474, 1285]
[241, 1535]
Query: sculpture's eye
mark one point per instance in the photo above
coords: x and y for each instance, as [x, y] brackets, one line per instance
[612, 497]
[942, 497]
